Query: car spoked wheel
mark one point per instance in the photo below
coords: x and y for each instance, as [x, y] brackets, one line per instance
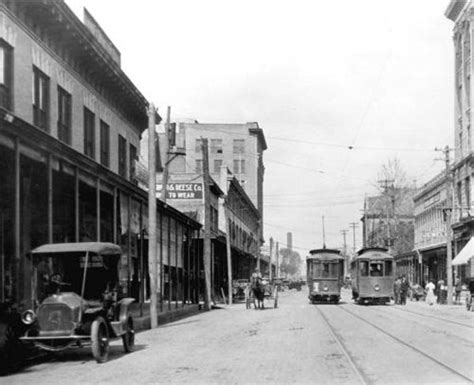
[100, 340]
[128, 338]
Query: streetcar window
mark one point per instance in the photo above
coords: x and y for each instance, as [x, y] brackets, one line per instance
[388, 268]
[376, 269]
[364, 268]
[324, 270]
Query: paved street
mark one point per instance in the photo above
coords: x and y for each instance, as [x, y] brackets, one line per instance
[295, 343]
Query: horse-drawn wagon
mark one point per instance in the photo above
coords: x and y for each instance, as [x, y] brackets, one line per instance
[259, 290]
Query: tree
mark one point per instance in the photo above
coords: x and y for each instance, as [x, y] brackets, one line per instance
[389, 219]
[291, 262]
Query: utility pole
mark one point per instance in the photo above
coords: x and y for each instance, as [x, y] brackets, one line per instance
[346, 261]
[449, 252]
[278, 260]
[224, 187]
[387, 184]
[354, 225]
[270, 273]
[324, 235]
[207, 224]
[152, 257]
[164, 181]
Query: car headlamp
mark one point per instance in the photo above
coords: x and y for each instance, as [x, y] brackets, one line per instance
[376, 287]
[28, 317]
[326, 288]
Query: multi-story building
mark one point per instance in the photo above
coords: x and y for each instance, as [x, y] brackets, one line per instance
[70, 127]
[429, 259]
[461, 12]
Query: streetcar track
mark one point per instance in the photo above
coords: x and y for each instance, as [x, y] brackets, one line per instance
[414, 348]
[380, 310]
[359, 372]
[434, 317]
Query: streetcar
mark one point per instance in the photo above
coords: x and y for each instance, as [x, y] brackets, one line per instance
[372, 276]
[324, 275]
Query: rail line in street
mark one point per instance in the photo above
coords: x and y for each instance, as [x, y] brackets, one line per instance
[433, 317]
[361, 377]
[406, 344]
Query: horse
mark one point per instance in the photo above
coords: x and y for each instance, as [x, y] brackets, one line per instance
[258, 290]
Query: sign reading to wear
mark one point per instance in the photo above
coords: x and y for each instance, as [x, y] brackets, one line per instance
[182, 190]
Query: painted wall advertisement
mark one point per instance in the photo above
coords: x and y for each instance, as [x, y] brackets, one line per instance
[182, 190]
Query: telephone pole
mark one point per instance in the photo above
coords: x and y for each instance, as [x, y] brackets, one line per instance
[270, 273]
[152, 257]
[207, 223]
[277, 260]
[449, 252]
[346, 262]
[387, 184]
[354, 225]
[164, 181]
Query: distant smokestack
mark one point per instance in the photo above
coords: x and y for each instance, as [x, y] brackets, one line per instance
[289, 241]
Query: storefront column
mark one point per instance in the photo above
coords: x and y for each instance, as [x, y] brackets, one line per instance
[177, 294]
[50, 198]
[16, 264]
[168, 252]
[97, 204]
[115, 216]
[162, 285]
[76, 204]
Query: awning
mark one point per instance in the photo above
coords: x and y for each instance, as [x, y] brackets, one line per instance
[465, 254]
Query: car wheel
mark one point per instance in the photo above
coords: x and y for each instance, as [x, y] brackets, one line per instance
[128, 338]
[100, 340]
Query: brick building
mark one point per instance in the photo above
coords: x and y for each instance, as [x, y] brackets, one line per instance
[70, 128]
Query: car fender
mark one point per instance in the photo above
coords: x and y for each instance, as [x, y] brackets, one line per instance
[124, 306]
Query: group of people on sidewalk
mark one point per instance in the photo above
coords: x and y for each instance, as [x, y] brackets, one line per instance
[439, 293]
[400, 289]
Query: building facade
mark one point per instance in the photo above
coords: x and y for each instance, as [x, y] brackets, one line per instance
[70, 128]
[461, 12]
[429, 258]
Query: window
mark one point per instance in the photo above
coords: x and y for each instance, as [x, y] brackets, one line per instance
[133, 158]
[388, 268]
[40, 99]
[239, 146]
[64, 115]
[216, 146]
[239, 166]
[459, 193]
[197, 147]
[89, 133]
[376, 269]
[217, 165]
[104, 144]
[324, 270]
[6, 78]
[364, 268]
[198, 166]
[122, 156]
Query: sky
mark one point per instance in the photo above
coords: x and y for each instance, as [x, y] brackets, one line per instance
[339, 88]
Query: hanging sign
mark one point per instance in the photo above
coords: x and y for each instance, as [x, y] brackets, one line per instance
[182, 190]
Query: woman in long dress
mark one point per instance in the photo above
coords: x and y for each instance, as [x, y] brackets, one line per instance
[430, 297]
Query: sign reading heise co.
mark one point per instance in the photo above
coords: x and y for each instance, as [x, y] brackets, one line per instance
[182, 190]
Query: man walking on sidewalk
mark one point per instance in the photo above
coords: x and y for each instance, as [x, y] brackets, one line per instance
[404, 285]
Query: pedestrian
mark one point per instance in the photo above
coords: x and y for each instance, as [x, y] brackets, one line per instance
[404, 285]
[430, 297]
[458, 289]
[438, 290]
[443, 293]
[396, 289]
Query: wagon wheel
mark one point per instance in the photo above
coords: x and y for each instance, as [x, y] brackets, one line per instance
[128, 339]
[100, 340]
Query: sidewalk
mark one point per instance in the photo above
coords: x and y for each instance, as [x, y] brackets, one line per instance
[141, 316]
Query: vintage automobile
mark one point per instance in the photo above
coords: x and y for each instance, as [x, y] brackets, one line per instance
[80, 304]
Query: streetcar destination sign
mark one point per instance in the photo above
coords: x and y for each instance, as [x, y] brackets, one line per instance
[182, 190]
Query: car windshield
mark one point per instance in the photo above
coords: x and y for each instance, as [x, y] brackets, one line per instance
[64, 272]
